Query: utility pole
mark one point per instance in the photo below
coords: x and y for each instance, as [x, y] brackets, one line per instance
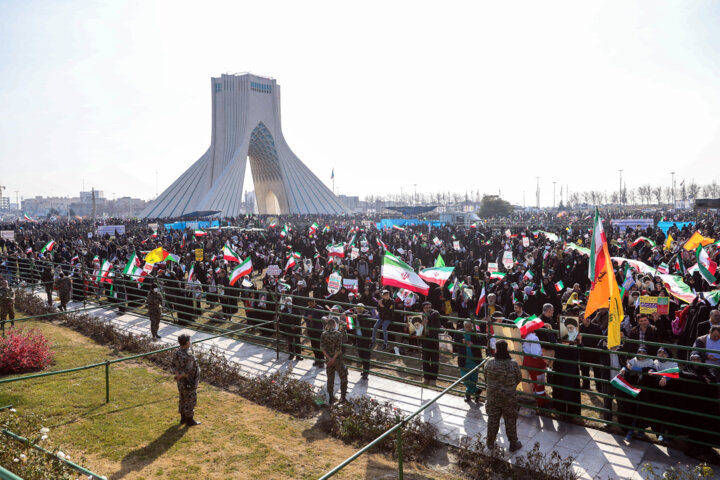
[415, 196]
[537, 193]
[93, 203]
[17, 200]
[673, 188]
[620, 195]
[554, 194]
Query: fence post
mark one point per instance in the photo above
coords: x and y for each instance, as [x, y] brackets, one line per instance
[399, 450]
[107, 381]
[277, 326]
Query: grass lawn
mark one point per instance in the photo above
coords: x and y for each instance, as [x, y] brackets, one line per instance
[137, 435]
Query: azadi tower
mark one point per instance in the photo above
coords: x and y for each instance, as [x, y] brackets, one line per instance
[245, 123]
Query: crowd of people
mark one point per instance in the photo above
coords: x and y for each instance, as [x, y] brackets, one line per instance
[668, 358]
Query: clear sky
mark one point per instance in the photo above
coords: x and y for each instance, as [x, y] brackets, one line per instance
[477, 95]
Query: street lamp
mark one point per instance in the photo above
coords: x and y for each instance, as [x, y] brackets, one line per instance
[620, 195]
[672, 187]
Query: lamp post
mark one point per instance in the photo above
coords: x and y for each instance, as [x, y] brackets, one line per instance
[620, 193]
[672, 187]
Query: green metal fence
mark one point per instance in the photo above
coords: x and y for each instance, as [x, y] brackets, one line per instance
[272, 323]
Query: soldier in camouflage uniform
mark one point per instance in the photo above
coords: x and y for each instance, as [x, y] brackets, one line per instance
[187, 374]
[331, 344]
[502, 375]
[64, 291]
[154, 304]
[7, 304]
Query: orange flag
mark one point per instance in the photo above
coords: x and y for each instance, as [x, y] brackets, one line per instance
[604, 292]
[695, 240]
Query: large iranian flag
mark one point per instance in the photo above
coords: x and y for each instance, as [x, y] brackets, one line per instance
[245, 268]
[397, 273]
[437, 275]
[706, 266]
[598, 249]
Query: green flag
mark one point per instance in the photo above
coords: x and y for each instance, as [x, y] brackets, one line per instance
[439, 262]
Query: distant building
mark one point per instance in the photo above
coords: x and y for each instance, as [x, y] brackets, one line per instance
[4, 203]
[86, 197]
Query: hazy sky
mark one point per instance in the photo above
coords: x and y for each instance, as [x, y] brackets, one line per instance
[446, 95]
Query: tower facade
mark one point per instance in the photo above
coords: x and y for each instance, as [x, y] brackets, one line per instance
[246, 124]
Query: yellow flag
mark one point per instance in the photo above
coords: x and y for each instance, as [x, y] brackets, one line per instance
[668, 242]
[156, 256]
[615, 317]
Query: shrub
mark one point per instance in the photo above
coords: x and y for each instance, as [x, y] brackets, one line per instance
[24, 460]
[24, 350]
[279, 391]
[680, 472]
[361, 420]
[31, 305]
[480, 463]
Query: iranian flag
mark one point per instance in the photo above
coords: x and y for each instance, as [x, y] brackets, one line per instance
[103, 272]
[297, 255]
[284, 231]
[75, 259]
[437, 275]
[497, 275]
[706, 266]
[200, 233]
[528, 324]
[598, 249]
[336, 250]
[326, 228]
[350, 322]
[621, 384]
[229, 254]
[712, 297]
[314, 228]
[48, 247]
[663, 268]
[668, 372]
[559, 286]
[28, 218]
[679, 265]
[290, 263]
[272, 225]
[400, 229]
[397, 273]
[481, 301]
[382, 244]
[245, 268]
[639, 240]
[528, 275]
[677, 288]
[132, 267]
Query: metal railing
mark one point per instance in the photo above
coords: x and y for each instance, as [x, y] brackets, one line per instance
[273, 324]
[399, 428]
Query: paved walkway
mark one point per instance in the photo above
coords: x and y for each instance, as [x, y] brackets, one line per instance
[598, 454]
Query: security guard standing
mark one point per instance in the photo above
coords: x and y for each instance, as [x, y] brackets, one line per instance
[154, 305]
[187, 375]
[7, 304]
[331, 343]
[502, 375]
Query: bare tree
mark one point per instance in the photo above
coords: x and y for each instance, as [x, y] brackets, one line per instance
[631, 195]
[668, 194]
[693, 190]
[657, 193]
